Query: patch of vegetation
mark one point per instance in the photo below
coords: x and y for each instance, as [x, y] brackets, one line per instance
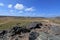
[8, 22]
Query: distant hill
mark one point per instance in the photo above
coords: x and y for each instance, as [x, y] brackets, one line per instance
[57, 17]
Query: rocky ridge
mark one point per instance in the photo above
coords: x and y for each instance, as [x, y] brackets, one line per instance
[34, 31]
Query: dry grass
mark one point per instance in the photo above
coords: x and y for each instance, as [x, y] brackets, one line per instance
[8, 22]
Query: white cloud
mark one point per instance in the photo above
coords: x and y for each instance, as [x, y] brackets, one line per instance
[1, 4]
[10, 6]
[30, 9]
[19, 6]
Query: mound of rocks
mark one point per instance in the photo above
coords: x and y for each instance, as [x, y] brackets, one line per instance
[18, 30]
[35, 25]
[34, 31]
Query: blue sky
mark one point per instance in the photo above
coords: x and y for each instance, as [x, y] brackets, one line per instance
[35, 8]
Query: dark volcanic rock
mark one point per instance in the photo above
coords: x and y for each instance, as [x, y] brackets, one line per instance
[33, 35]
[2, 33]
[18, 30]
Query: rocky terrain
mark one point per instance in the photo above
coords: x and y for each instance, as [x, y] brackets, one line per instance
[34, 31]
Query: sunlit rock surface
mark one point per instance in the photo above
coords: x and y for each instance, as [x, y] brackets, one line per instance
[36, 31]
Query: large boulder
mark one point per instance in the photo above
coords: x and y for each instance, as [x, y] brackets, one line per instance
[2, 33]
[35, 25]
[18, 30]
[33, 35]
[46, 36]
[55, 30]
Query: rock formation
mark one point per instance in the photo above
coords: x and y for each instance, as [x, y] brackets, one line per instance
[34, 31]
